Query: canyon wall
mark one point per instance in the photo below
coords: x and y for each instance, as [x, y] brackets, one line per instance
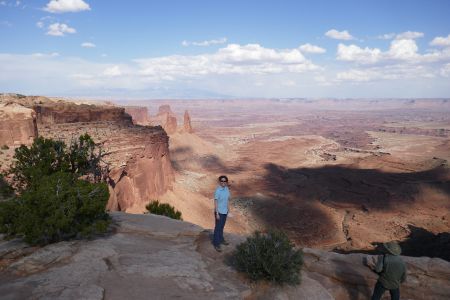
[137, 156]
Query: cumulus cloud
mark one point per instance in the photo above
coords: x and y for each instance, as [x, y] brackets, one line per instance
[88, 45]
[233, 59]
[403, 49]
[205, 43]
[63, 6]
[339, 35]
[409, 35]
[60, 29]
[441, 41]
[357, 54]
[399, 50]
[308, 48]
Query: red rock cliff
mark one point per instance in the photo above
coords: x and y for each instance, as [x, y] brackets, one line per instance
[146, 175]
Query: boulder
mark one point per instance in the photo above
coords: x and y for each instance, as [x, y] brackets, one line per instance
[346, 276]
[17, 125]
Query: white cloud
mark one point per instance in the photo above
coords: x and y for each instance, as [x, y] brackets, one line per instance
[40, 24]
[205, 43]
[357, 54]
[409, 35]
[38, 54]
[403, 49]
[63, 6]
[339, 35]
[88, 45]
[233, 59]
[60, 29]
[441, 41]
[399, 50]
[112, 71]
[386, 36]
[308, 48]
[3, 3]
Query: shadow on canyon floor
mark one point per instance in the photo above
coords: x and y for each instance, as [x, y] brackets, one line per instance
[420, 242]
[211, 163]
[294, 197]
[343, 187]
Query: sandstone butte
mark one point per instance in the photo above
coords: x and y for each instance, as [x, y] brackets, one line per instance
[154, 257]
[137, 156]
[187, 127]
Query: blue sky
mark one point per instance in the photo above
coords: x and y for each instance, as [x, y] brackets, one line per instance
[210, 49]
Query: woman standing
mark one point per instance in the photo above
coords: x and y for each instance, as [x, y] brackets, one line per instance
[221, 208]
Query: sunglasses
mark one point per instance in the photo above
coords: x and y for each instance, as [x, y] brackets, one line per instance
[223, 181]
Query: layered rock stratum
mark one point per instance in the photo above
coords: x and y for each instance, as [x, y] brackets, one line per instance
[149, 256]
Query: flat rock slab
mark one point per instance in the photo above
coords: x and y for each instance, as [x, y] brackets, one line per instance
[154, 225]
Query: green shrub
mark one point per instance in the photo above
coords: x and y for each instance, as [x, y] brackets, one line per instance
[47, 156]
[270, 256]
[5, 147]
[163, 209]
[61, 207]
[6, 191]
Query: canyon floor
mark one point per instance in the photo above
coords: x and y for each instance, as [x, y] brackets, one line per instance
[333, 177]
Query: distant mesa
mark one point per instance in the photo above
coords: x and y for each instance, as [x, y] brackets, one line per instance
[164, 109]
[167, 119]
[139, 115]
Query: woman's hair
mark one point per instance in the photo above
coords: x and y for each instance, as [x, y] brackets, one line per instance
[223, 177]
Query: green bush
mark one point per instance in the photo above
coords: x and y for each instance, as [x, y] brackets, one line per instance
[270, 256]
[6, 191]
[163, 209]
[61, 207]
[53, 203]
[47, 156]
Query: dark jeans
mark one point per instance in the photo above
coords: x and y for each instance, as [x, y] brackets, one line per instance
[379, 291]
[218, 229]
